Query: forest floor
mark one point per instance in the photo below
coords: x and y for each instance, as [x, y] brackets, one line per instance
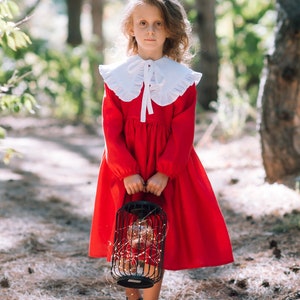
[46, 203]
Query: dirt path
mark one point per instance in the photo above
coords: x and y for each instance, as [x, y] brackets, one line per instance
[46, 202]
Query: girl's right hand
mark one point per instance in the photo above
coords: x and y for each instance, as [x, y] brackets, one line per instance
[134, 184]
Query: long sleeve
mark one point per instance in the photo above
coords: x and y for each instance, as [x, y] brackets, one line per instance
[117, 155]
[180, 143]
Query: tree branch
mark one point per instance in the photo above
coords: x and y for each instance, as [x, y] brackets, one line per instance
[28, 14]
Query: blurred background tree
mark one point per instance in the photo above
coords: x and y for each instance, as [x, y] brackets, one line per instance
[202, 15]
[74, 16]
[252, 23]
[279, 100]
[230, 40]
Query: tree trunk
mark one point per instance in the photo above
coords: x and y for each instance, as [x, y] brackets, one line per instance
[279, 97]
[208, 56]
[97, 18]
[74, 13]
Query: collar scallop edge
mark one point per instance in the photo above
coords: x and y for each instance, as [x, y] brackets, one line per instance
[168, 81]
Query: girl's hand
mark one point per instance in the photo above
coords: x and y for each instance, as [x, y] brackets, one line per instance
[157, 183]
[134, 184]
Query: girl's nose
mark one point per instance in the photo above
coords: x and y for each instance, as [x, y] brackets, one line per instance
[150, 29]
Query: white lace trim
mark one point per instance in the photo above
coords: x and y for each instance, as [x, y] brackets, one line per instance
[164, 80]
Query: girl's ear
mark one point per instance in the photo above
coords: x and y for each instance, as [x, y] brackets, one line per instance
[131, 31]
[168, 34]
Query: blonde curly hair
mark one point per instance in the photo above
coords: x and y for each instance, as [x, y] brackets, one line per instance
[177, 45]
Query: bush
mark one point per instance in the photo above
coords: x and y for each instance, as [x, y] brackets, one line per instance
[62, 80]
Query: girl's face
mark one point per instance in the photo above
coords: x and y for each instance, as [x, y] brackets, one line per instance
[149, 30]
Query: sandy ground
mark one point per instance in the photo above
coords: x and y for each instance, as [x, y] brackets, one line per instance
[46, 203]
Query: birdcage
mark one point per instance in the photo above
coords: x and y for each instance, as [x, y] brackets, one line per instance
[137, 259]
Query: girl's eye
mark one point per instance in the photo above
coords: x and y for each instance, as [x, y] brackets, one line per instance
[160, 25]
[142, 23]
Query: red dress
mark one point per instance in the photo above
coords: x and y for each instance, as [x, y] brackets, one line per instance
[163, 142]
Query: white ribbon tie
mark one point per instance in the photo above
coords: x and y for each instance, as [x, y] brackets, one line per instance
[146, 101]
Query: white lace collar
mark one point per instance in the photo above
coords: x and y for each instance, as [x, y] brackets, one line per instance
[164, 80]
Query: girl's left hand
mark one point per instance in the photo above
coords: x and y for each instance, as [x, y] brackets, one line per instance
[134, 184]
[157, 183]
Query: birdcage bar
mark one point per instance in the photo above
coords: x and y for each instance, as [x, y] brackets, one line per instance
[137, 259]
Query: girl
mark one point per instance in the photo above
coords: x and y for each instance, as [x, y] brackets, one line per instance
[148, 122]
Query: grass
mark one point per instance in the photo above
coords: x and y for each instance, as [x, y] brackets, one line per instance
[289, 222]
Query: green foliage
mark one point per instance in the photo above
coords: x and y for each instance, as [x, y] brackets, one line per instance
[13, 99]
[244, 29]
[8, 9]
[12, 102]
[15, 103]
[288, 222]
[244, 32]
[62, 79]
[232, 112]
[12, 38]
[10, 34]
[9, 154]
[2, 133]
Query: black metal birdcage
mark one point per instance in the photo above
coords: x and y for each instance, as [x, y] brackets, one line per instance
[137, 259]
